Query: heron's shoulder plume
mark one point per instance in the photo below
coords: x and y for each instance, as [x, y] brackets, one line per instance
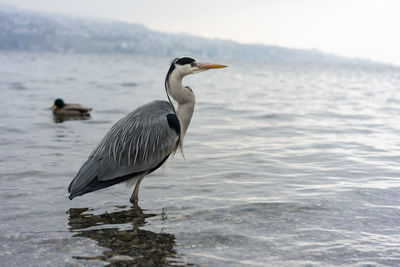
[174, 123]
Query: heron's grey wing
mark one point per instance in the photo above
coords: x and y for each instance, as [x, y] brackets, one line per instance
[137, 143]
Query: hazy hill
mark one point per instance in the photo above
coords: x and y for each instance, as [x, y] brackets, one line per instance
[32, 31]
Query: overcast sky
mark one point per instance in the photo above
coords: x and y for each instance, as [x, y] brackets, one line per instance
[354, 28]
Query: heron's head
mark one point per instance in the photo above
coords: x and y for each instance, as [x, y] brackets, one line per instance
[59, 103]
[180, 67]
[187, 65]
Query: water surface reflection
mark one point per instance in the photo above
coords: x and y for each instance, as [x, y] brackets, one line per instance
[59, 118]
[121, 233]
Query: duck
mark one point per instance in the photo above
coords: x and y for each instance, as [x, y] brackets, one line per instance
[60, 108]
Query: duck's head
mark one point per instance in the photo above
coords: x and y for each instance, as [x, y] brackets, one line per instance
[59, 103]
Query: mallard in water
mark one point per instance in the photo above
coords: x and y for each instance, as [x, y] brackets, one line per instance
[61, 109]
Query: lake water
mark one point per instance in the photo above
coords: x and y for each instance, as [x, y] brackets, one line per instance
[286, 165]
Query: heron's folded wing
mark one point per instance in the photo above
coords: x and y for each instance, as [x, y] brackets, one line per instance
[136, 143]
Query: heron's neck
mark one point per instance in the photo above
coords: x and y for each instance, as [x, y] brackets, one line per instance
[184, 113]
[185, 99]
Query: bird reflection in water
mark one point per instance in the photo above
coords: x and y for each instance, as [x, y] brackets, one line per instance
[62, 118]
[128, 247]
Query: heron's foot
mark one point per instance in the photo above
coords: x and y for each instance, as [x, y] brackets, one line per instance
[136, 208]
[134, 200]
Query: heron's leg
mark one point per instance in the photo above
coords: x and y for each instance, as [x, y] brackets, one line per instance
[135, 194]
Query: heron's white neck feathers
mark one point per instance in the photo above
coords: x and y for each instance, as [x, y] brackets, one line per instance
[177, 91]
[185, 99]
[185, 113]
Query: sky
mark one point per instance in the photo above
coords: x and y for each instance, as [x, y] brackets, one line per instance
[354, 28]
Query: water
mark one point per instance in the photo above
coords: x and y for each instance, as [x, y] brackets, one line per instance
[286, 165]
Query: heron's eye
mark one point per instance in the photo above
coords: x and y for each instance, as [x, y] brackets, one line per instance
[193, 64]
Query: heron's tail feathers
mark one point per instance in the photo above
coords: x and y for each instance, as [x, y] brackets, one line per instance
[95, 185]
[87, 180]
[84, 178]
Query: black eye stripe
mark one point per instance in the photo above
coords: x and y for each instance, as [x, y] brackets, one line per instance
[185, 60]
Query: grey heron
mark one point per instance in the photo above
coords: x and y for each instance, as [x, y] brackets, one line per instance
[142, 141]
[60, 108]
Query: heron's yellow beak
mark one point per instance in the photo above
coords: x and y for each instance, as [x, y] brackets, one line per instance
[53, 106]
[207, 66]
